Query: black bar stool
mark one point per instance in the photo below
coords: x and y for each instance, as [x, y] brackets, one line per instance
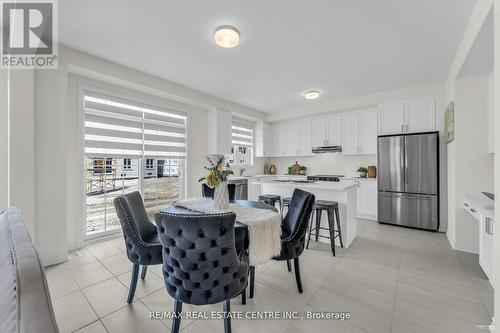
[271, 199]
[332, 209]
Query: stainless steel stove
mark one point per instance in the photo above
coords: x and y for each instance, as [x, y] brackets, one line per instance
[325, 178]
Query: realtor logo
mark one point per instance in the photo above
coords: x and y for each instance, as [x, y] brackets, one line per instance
[29, 35]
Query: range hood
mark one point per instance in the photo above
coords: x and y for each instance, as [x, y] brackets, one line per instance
[327, 149]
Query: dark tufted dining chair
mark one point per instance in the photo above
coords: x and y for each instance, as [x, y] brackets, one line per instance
[200, 261]
[141, 237]
[293, 233]
[208, 192]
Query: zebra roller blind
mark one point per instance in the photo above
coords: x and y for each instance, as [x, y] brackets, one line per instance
[116, 127]
[242, 133]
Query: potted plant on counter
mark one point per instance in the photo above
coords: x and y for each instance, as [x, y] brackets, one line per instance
[362, 172]
[218, 173]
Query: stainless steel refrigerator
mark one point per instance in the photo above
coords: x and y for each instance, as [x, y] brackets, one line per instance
[408, 180]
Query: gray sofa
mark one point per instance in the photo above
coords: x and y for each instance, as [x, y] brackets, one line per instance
[25, 305]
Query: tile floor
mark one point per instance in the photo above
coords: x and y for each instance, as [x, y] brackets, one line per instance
[390, 280]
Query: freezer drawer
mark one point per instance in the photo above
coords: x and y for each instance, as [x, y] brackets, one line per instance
[411, 210]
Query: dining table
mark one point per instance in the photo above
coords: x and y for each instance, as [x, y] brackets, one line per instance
[241, 233]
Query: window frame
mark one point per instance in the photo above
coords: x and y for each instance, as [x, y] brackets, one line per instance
[134, 96]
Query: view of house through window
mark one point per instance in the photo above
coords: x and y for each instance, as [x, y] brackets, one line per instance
[161, 186]
[130, 147]
[242, 143]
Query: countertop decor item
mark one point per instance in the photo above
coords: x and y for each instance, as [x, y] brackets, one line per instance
[362, 171]
[302, 170]
[272, 169]
[266, 168]
[372, 171]
[218, 173]
[295, 169]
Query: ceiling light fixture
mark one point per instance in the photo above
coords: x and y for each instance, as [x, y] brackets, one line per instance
[227, 36]
[312, 94]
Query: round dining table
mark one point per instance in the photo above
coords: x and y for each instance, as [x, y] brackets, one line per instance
[241, 235]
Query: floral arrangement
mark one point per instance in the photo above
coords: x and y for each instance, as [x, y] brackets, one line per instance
[218, 171]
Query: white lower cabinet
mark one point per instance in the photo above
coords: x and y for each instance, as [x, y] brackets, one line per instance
[486, 246]
[479, 207]
[367, 199]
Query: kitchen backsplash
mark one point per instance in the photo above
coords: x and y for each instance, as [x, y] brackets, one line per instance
[324, 163]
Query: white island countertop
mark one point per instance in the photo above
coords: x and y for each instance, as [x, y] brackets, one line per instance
[319, 185]
[344, 193]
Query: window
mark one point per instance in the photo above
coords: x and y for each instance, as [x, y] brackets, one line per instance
[127, 164]
[129, 147]
[242, 142]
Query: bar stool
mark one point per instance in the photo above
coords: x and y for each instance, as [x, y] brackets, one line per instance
[271, 199]
[332, 209]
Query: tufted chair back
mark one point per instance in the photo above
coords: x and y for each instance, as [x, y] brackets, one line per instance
[294, 225]
[208, 192]
[200, 264]
[141, 238]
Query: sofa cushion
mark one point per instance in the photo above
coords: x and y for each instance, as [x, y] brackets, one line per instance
[25, 305]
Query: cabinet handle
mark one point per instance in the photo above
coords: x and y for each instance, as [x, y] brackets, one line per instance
[488, 226]
[466, 204]
[406, 127]
[473, 210]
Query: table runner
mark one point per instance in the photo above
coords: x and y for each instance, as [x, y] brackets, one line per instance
[264, 226]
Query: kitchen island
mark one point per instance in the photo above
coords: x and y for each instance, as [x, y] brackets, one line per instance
[345, 193]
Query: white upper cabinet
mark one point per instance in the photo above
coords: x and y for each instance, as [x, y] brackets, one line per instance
[263, 139]
[278, 139]
[359, 132]
[367, 131]
[305, 137]
[411, 116]
[319, 132]
[327, 131]
[350, 133]
[391, 118]
[420, 115]
[334, 129]
[291, 138]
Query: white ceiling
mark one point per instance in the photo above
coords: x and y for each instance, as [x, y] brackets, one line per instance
[344, 48]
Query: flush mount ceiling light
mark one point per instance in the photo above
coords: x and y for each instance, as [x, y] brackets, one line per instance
[227, 36]
[312, 94]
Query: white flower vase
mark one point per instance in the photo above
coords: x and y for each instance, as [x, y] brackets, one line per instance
[221, 196]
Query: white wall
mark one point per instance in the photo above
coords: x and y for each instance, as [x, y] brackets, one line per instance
[22, 145]
[473, 166]
[496, 235]
[4, 133]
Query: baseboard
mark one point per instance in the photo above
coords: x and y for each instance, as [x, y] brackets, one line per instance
[367, 217]
[49, 261]
[466, 248]
[451, 239]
